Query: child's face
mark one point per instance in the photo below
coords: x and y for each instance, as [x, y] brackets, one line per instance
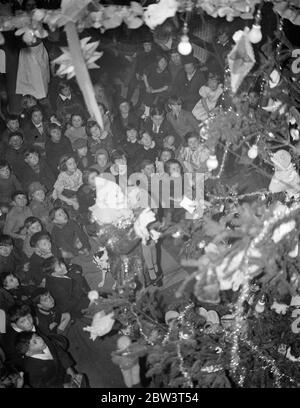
[60, 269]
[95, 132]
[11, 282]
[5, 172]
[193, 143]
[25, 323]
[55, 135]
[37, 117]
[71, 165]
[5, 250]
[147, 46]
[169, 141]
[189, 68]
[46, 301]
[120, 162]
[213, 84]
[175, 108]
[66, 91]
[20, 200]
[76, 121]
[146, 140]
[149, 170]
[44, 245]
[34, 228]
[131, 135]
[15, 142]
[39, 196]
[30, 102]
[175, 170]
[82, 152]
[60, 217]
[124, 108]
[36, 345]
[92, 179]
[102, 160]
[13, 125]
[165, 156]
[32, 159]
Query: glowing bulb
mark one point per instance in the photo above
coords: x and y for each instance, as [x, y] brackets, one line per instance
[185, 47]
[252, 152]
[274, 78]
[212, 162]
[294, 134]
[29, 37]
[255, 35]
[260, 306]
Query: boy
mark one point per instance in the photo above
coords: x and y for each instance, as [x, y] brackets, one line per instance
[50, 319]
[46, 364]
[39, 204]
[36, 169]
[11, 284]
[10, 261]
[83, 157]
[17, 215]
[15, 153]
[12, 126]
[9, 184]
[56, 146]
[181, 120]
[68, 287]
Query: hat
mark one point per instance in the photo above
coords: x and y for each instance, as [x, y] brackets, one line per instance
[35, 186]
[281, 158]
[79, 143]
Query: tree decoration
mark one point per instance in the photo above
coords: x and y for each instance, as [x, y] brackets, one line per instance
[156, 14]
[255, 35]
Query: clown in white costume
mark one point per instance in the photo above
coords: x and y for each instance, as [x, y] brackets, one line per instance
[285, 179]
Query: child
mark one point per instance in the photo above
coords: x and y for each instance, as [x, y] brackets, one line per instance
[9, 184]
[165, 155]
[14, 154]
[68, 235]
[12, 126]
[194, 155]
[67, 286]
[56, 146]
[10, 260]
[169, 143]
[66, 102]
[68, 182]
[102, 161]
[36, 169]
[40, 205]
[42, 245]
[149, 151]
[132, 147]
[27, 103]
[32, 225]
[46, 363]
[119, 168]
[36, 131]
[83, 157]
[127, 358]
[98, 139]
[50, 319]
[17, 215]
[210, 95]
[76, 130]
[181, 120]
[11, 284]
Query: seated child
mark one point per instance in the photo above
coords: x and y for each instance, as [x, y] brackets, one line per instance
[36, 169]
[11, 284]
[82, 155]
[132, 147]
[56, 147]
[76, 130]
[10, 259]
[169, 143]
[46, 363]
[17, 215]
[98, 138]
[119, 167]
[49, 318]
[210, 95]
[102, 161]
[67, 286]
[165, 155]
[149, 150]
[40, 205]
[14, 153]
[68, 235]
[194, 156]
[12, 125]
[32, 225]
[68, 182]
[9, 184]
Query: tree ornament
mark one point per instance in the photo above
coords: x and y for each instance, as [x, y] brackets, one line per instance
[212, 162]
[295, 135]
[156, 14]
[260, 305]
[274, 78]
[93, 295]
[253, 152]
[255, 35]
[185, 47]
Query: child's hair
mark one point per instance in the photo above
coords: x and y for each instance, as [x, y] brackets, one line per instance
[4, 163]
[35, 109]
[90, 124]
[62, 85]
[31, 150]
[18, 192]
[38, 236]
[77, 114]
[53, 212]
[49, 264]
[143, 132]
[63, 160]
[6, 240]
[53, 126]
[10, 117]
[190, 135]
[131, 126]
[3, 277]
[117, 154]
[25, 100]
[17, 133]
[214, 75]
[168, 164]
[157, 110]
[23, 342]
[36, 298]
[174, 100]
[169, 151]
[18, 310]
[86, 174]
[145, 163]
[32, 220]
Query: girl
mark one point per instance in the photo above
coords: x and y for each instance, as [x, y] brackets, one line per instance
[98, 138]
[77, 129]
[210, 95]
[68, 182]
[194, 155]
[32, 225]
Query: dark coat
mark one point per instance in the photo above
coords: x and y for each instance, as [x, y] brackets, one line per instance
[64, 237]
[54, 151]
[187, 90]
[165, 129]
[45, 176]
[34, 138]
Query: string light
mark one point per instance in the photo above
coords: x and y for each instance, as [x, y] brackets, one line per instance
[185, 47]
[183, 370]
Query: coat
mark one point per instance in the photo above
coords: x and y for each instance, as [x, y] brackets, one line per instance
[187, 90]
[45, 176]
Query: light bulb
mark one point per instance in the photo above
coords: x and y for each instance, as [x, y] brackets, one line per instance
[212, 162]
[294, 134]
[255, 35]
[274, 78]
[252, 152]
[185, 47]
[260, 306]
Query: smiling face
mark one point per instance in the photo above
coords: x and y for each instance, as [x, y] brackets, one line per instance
[37, 117]
[46, 301]
[165, 156]
[169, 141]
[11, 282]
[148, 170]
[101, 160]
[39, 196]
[146, 140]
[131, 135]
[25, 323]
[13, 125]
[77, 121]
[4, 172]
[20, 200]
[44, 245]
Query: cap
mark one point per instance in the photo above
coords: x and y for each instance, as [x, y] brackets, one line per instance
[79, 143]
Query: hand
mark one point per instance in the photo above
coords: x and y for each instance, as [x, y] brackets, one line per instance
[75, 205]
[20, 380]
[52, 325]
[67, 254]
[149, 90]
